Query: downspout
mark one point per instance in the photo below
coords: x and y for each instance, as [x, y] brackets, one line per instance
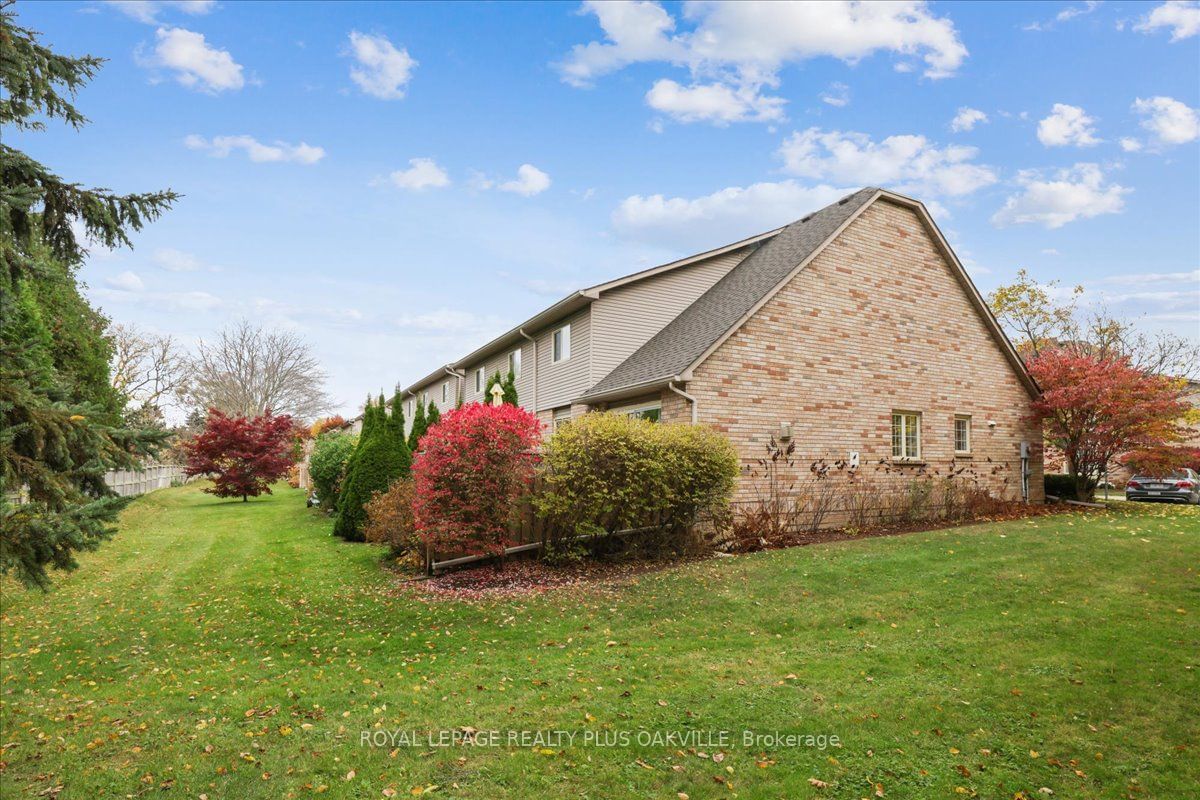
[695, 404]
[535, 363]
[460, 378]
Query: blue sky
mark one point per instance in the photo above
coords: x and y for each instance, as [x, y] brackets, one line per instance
[399, 182]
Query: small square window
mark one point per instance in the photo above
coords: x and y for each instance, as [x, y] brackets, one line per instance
[962, 433]
[906, 435]
[562, 343]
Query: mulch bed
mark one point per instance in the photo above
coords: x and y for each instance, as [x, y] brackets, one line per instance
[524, 575]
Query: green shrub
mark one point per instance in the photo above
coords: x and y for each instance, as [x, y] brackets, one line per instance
[1060, 486]
[609, 472]
[327, 465]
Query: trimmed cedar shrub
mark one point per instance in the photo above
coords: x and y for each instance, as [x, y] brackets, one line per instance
[390, 519]
[432, 417]
[1060, 486]
[419, 425]
[379, 459]
[474, 468]
[327, 466]
[609, 472]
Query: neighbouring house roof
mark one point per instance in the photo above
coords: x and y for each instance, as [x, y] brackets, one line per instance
[676, 348]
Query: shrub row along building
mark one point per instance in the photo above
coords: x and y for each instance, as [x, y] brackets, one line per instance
[854, 333]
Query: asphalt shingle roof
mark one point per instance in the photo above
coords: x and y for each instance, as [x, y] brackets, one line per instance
[677, 346]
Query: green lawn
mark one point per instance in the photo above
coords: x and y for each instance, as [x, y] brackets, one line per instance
[237, 651]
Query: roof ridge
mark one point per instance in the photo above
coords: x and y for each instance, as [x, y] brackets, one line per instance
[686, 338]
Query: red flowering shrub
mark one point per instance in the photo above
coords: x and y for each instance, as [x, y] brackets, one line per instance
[475, 465]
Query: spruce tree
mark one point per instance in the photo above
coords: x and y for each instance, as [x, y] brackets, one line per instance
[59, 428]
[432, 417]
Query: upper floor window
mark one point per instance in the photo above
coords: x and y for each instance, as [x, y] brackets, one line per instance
[425, 398]
[514, 363]
[962, 433]
[410, 408]
[445, 390]
[479, 380]
[906, 434]
[562, 343]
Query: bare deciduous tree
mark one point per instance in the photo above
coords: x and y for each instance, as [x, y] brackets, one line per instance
[1036, 315]
[247, 370]
[147, 369]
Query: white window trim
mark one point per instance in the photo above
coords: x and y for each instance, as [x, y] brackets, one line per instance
[480, 380]
[445, 389]
[559, 354]
[962, 418]
[514, 363]
[904, 414]
[640, 407]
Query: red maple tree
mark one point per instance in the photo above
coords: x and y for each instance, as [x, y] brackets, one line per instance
[1095, 408]
[243, 455]
[475, 465]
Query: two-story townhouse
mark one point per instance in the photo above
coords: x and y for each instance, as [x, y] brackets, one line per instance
[854, 332]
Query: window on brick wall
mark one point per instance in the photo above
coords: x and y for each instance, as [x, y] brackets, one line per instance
[962, 433]
[906, 434]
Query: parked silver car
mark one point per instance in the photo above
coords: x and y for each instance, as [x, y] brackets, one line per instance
[1181, 486]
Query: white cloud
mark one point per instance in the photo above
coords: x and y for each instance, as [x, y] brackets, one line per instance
[383, 71]
[1067, 125]
[1068, 13]
[222, 146]
[173, 260]
[909, 163]
[148, 10]
[540, 286]
[742, 46]
[1130, 145]
[1078, 192]
[685, 224]
[966, 119]
[529, 181]
[837, 95]
[196, 63]
[126, 282]
[422, 173]
[1155, 277]
[1181, 16]
[717, 103]
[449, 320]
[1168, 120]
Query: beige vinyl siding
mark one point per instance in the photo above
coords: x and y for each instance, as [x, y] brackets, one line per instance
[559, 384]
[499, 363]
[625, 318]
